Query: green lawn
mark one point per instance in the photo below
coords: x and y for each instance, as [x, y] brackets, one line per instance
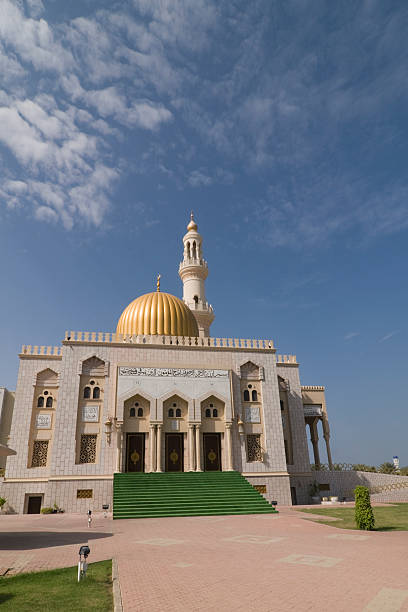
[387, 518]
[59, 590]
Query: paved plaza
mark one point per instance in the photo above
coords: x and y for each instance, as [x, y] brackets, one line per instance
[261, 562]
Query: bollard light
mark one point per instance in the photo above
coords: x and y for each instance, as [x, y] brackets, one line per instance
[82, 564]
[84, 551]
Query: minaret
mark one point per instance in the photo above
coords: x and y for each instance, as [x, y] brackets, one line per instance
[193, 271]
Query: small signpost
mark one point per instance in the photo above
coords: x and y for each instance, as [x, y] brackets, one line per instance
[105, 509]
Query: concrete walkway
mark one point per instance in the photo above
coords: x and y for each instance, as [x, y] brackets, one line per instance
[234, 563]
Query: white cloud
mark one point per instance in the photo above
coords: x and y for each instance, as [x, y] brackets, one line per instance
[49, 126]
[35, 7]
[23, 140]
[351, 335]
[45, 213]
[147, 115]
[33, 40]
[198, 178]
[388, 336]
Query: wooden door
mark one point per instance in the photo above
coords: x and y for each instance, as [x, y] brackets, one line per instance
[135, 445]
[212, 452]
[174, 452]
[34, 505]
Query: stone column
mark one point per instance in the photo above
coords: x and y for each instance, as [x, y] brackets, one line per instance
[326, 436]
[198, 449]
[118, 447]
[152, 447]
[191, 448]
[314, 438]
[159, 442]
[228, 447]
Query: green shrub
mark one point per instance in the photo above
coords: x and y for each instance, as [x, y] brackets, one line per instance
[387, 468]
[47, 510]
[362, 467]
[404, 471]
[2, 502]
[363, 511]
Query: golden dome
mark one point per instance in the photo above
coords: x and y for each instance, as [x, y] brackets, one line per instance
[157, 313]
[192, 226]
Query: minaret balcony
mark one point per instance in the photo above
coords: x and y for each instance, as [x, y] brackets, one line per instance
[199, 306]
[193, 261]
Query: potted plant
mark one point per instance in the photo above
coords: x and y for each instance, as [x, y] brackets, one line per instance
[2, 502]
[314, 492]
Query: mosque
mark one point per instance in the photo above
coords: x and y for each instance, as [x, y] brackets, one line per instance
[159, 395]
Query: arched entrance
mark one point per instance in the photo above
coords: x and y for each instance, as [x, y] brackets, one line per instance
[136, 418]
[175, 416]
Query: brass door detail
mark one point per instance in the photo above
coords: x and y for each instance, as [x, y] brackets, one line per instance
[135, 444]
[212, 452]
[174, 452]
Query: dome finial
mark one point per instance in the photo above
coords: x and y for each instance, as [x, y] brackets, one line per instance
[158, 282]
[192, 226]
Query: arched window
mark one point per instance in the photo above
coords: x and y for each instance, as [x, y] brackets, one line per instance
[254, 396]
[132, 412]
[140, 412]
[215, 412]
[208, 413]
[178, 412]
[96, 393]
[282, 405]
[246, 395]
[87, 392]
[49, 402]
[194, 250]
[195, 298]
[171, 412]
[188, 250]
[40, 402]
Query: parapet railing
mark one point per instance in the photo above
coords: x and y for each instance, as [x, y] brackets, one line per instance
[193, 261]
[312, 388]
[114, 338]
[281, 359]
[53, 351]
[175, 341]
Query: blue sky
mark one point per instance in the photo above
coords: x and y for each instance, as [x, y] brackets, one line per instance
[283, 125]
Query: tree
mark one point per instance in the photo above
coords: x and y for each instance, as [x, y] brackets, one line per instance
[363, 511]
[362, 467]
[387, 468]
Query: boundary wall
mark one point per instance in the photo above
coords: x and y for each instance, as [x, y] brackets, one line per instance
[383, 487]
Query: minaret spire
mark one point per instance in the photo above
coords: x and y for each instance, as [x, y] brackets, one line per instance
[193, 271]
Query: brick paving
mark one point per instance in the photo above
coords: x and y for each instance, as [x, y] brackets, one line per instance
[264, 562]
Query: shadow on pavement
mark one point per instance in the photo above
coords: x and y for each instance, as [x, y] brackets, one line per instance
[28, 540]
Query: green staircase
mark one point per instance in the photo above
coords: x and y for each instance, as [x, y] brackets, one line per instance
[185, 494]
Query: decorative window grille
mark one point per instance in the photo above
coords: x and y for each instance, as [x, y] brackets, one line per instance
[40, 452]
[87, 454]
[260, 488]
[84, 493]
[254, 449]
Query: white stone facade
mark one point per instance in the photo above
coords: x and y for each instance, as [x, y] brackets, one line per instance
[153, 373]
[111, 402]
